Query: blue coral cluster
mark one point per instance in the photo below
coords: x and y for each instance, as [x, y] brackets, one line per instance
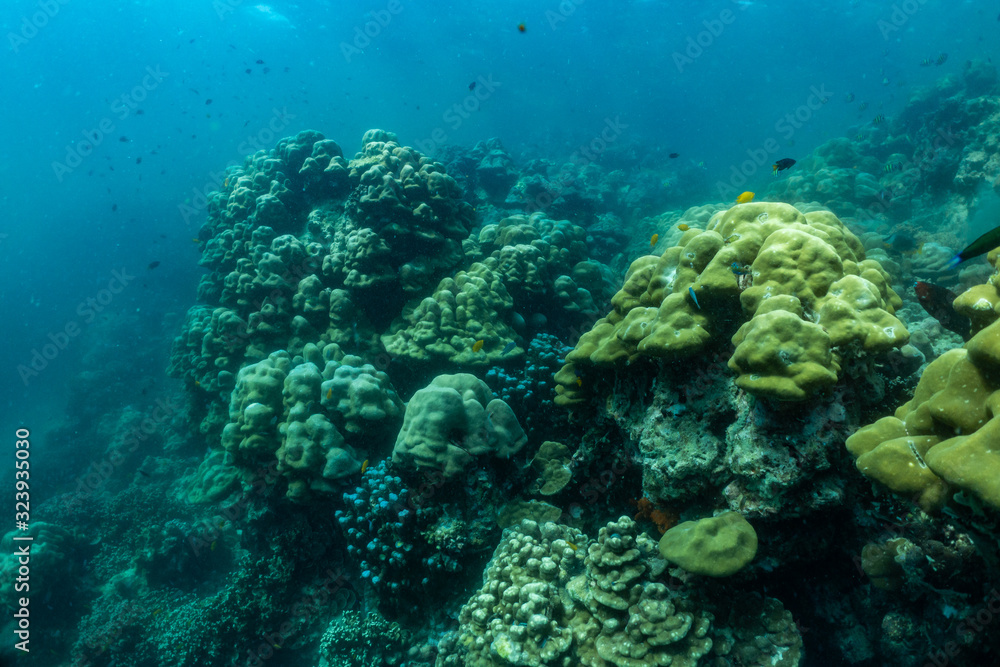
[379, 527]
[529, 390]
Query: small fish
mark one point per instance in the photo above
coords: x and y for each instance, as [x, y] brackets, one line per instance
[329, 394]
[114, 207]
[926, 62]
[694, 297]
[153, 265]
[891, 167]
[860, 136]
[212, 548]
[982, 245]
[478, 345]
[674, 156]
[878, 119]
[849, 98]
[123, 139]
[157, 612]
[364, 466]
[138, 160]
[472, 86]
[941, 59]
[683, 227]
[903, 243]
[572, 546]
[731, 238]
[260, 62]
[579, 381]
[208, 101]
[197, 384]
[653, 239]
[745, 198]
[225, 183]
[737, 269]
[782, 164]
[521, 27]
[195, 240]
[143, 473]
[937, 301]
[509, 347]
[862, 106]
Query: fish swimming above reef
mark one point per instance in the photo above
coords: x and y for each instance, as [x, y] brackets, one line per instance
[782, 164]
[980, 246]
[694, 297]
[653, 239]
[937, 301]
[745, 198]
[903, 242]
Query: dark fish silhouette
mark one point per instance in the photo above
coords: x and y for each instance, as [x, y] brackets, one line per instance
[153, 265]
[980, 246]
[674, 155]
[782, 164]
[937, 301]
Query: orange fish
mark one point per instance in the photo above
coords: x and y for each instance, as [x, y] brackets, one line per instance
[364, 466]
[579, 381]
[521, 27]
[683, 227]
[745, 198]
[329, 394]
[478, 345]
[653, 239]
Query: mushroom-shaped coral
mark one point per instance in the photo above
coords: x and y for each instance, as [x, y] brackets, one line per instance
[718, 546]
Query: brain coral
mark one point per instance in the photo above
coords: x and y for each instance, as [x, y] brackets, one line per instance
[799, 282]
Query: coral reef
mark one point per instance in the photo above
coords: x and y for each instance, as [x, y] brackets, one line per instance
[942, 439]
[801, 280]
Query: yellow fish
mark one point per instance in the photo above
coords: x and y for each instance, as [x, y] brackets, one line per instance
[579, 381]
[683, 227]
[364, 466]
[157, 612]
[745, 198]
[478, 345]
[196, 240]
[653, 239]
[212, 548]
[572, 546]
[225, 183]
[197, 384]
[329, 394]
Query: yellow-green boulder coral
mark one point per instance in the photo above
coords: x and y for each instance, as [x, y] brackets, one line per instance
[947, 437]
[831, 299]
[718, 546]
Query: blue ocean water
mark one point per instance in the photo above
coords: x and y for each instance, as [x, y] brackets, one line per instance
[122, 118]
